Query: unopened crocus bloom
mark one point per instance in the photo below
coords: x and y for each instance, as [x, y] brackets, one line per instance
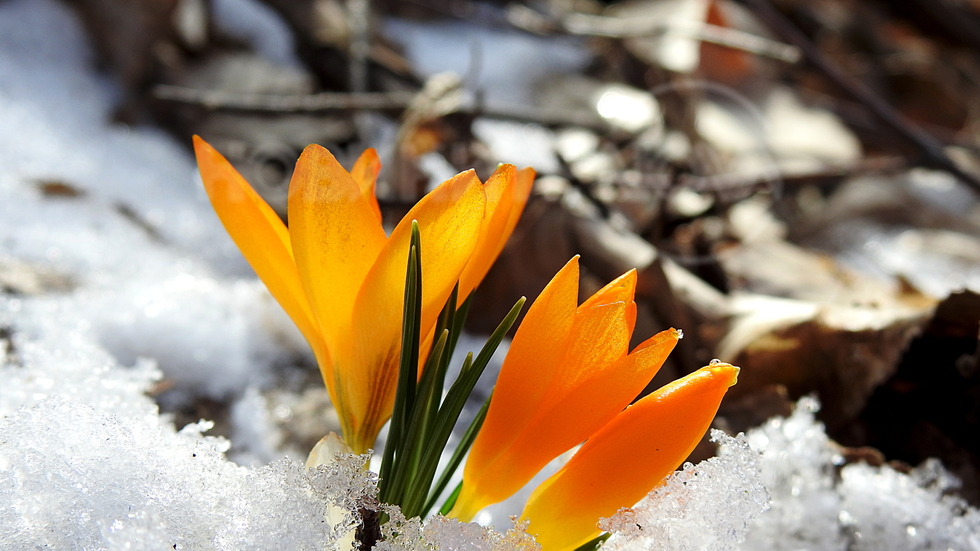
[567, 378]
[341, 278]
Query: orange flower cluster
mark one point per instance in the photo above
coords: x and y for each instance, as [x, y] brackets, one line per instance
[568, 378]
[342, 280]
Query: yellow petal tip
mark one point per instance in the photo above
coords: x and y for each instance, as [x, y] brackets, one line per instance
[724, 370]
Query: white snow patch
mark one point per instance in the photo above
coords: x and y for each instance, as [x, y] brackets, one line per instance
[862, 507]
[704, 506]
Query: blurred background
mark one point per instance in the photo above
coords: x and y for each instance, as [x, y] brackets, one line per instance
[795, 181]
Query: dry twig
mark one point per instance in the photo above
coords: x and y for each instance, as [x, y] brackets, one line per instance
[614, 27]
[217, 100]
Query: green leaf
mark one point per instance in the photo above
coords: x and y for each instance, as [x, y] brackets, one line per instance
[594, 543]
[453, 324]
[451, 408]
[464, 446]
[451, 500]
[420, 425]
[407, 370]
[417, 434]
[459, 319]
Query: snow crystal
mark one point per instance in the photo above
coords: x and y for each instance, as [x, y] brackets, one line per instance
[401, 534]
[704, 506]
[62, 491]
[87, 462]
[861, 508]
[155, 274]
[798, 469]
[884, 509]
[781, 487]
[257, 438]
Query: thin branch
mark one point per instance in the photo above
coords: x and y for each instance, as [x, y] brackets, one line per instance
[219, 100]
[729, 182]
[550, 118]
[581, 24]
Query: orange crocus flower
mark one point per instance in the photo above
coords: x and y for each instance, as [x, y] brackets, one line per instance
[627, 458]
[566, 378]
[342, 280]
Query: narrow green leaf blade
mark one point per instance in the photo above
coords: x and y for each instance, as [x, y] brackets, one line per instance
[464, 446]
[456, 399]
[451, 500]
[407, 373]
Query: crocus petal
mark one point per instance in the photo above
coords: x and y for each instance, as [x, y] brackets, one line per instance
[530, 365]
[598, 339]
[365, 173]
[449, 220]
[336, 238]
[621, 289]
[628, 457]
[522, 191]
[533, 419]
[499, 190]
[597, 397]
[537, 347]
[507, 192]
[589, 386]
[262, 238]
[556, 424]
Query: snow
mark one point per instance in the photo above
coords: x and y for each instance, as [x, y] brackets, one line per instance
[135, 283]
[257, 24]
[781, 487]
[156, 275]
[816, 504]
[86, 461]
[694, 509]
